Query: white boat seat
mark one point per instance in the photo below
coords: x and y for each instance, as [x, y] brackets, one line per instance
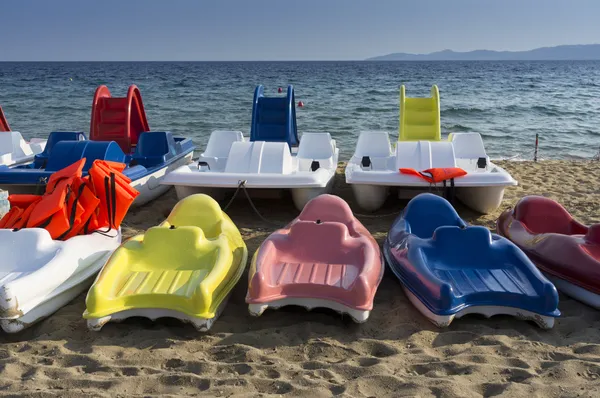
[220, 143]
[375, 144]
[259, 157]
[315, 147]
[423, 155]
[468, 146]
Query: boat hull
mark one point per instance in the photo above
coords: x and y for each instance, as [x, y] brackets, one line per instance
[38, 284]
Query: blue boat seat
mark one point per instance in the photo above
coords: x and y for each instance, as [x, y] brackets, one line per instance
[462, 267]
[65, 153]
[41, 159]
[426, 212]
[152, 148]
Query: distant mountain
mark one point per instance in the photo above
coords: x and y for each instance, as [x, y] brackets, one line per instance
[567, 52]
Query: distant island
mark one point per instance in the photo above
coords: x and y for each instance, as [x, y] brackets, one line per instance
[558, 53]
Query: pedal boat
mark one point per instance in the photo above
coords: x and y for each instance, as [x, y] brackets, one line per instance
[39, 275]
[449, 269]
[324, 258]
[271, 160]
[185, 268]
[567, 251]
[374, 168]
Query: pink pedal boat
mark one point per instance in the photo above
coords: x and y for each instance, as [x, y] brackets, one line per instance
[324, 258]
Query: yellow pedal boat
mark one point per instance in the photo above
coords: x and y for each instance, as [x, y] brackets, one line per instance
[185, 268]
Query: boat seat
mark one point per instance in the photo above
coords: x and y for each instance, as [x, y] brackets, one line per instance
[199, 212]
[220, 143]
[373, 144]
[374, 149]
[478, 267]
[427, 212]
[542, 215]
[308, 242]
[259, 157]
[329, 208]
[12, 142]
[152, 148]
[65, 153]
[317, 147]
[41, 159]
[468, 146]
[423, 155]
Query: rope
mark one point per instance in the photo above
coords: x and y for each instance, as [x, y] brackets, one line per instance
[242, 184]
[378, 215]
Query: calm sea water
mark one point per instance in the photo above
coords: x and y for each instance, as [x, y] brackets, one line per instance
[507, 102]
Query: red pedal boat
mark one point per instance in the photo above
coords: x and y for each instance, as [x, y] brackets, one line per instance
[567, 251]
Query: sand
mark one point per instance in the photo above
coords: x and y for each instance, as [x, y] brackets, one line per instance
[292, 352]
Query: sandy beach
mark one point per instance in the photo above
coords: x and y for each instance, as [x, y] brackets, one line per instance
[292, 352]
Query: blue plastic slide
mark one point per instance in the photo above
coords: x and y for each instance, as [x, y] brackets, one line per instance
[274, 118]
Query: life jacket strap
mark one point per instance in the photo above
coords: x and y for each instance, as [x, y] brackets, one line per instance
[73, 210]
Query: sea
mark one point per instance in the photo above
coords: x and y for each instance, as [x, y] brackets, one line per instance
[507, 102]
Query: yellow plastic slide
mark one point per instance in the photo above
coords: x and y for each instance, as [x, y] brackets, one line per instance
[185, 268]
[420, 117]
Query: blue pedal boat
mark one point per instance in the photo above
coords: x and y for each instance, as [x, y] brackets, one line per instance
[155, 155]
[449, 269]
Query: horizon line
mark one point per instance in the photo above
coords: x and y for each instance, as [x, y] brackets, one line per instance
[370, 60]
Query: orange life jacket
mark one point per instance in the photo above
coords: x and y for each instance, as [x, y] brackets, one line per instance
[436, 174]
[74, 205]
[107, 180]
[20, 208]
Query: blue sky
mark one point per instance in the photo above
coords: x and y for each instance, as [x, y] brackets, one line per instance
[284, 29]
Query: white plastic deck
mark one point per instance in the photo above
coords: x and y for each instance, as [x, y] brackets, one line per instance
[39, 275]
[230, 158]
[481, 189]
[14, 149]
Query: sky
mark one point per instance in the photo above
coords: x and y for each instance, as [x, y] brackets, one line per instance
[230, 30]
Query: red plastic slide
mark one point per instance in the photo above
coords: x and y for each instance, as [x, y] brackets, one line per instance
[3, 122]
[118, 119]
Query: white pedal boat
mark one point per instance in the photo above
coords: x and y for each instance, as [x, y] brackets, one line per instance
[15, 150]
[271, 158]
[374, 168]
[39, 275]
[230, 158]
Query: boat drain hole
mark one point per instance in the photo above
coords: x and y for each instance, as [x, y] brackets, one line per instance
[319, 222]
